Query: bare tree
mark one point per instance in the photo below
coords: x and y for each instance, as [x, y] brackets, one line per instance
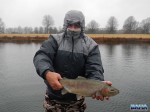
[55, 30]
[28, 30]
[9, 30]
[36, 31]
[20, 30]
[145, 25]
[41, 30]
[112, 25]
[60, 29]
[2, 26]
[130, 25]
[92, 26]
[47, 22]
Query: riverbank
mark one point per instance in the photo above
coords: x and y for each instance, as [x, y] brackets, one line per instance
[99, 38]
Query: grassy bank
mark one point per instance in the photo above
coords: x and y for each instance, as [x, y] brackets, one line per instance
[100, 38]
[22, 37]
[116, 38]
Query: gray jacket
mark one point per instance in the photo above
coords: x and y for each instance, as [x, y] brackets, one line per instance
[70, 56]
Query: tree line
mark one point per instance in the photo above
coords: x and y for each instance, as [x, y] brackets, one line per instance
[130, 26]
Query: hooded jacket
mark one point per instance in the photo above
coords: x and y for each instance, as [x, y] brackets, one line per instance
[69, 54]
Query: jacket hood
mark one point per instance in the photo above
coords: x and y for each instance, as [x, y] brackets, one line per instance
[74, 16]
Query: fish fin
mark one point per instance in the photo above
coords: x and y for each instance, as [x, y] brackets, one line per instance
[64, 91]
[80, 77]
[78, 97]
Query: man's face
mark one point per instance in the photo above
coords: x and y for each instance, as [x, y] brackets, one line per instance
[74, 27]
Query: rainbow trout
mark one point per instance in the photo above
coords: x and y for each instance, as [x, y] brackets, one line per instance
[87, 87]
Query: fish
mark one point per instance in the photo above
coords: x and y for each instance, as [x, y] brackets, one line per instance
[87, 87]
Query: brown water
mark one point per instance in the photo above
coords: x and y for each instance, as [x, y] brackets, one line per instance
[126, 65]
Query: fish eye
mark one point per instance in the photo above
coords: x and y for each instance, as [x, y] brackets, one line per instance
[112, 90]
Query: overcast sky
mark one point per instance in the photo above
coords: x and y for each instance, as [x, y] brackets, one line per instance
[23, 13]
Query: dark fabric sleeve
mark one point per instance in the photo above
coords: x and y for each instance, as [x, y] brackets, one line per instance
[43, 59]
[94, 68]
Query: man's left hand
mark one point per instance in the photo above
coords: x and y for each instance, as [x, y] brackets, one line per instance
[102, 97]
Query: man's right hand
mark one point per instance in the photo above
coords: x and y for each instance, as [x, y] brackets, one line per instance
[53, 80]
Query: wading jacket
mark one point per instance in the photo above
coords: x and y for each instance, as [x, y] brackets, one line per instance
[70, 57]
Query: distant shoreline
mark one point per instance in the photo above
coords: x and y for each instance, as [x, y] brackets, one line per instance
[99, 38]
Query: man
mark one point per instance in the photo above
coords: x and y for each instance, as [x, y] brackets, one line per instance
[68, 54]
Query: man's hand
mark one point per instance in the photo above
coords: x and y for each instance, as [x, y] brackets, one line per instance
[102, 97]
[53, 80]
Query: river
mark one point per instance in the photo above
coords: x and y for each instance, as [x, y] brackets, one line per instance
[126, 65]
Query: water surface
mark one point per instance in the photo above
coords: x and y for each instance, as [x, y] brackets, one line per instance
[126, 65]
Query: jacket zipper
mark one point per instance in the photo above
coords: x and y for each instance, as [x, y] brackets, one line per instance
[72, 45]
